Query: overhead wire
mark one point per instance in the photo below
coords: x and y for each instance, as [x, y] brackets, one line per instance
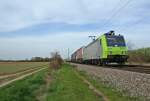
[115, 13]
[109, 21]
[113, 10]
[136, 24]
[139, 22]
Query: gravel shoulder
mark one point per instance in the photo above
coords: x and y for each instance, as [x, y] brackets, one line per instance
[131, 83]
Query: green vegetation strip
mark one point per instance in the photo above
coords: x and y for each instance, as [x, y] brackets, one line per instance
[67, 86]
[111, 93]
[92, 87]
[25, 89]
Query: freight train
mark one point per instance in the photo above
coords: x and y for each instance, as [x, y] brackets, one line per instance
[108, 48]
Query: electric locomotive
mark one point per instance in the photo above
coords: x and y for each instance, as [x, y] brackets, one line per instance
[108, 48]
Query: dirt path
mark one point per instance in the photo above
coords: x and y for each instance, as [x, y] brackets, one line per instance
[2, 76]
[21, 77]
[42, 91]
[18, 73]
[97, 92]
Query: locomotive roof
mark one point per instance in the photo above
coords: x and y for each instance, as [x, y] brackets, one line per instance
[92, 42]
[100, 37]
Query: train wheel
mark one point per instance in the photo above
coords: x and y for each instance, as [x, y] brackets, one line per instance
[104, 63]
[100, 62]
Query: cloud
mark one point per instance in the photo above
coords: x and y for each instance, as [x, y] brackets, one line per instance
[36, 27]
[26, 47]
[18, 14]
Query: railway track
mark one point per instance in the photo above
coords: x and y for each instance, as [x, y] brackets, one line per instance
[134, 68]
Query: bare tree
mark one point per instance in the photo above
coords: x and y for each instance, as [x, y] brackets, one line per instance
[56, 61]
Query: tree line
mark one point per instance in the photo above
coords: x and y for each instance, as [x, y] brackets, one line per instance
[33, 59]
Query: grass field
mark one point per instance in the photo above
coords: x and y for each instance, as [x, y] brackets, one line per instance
[25, 89]
[63, 85]
[11, 67]
[67, 86]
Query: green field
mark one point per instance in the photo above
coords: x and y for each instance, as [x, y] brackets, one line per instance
[11, 67]
[67, 86]
[25, 89]
[61, 85]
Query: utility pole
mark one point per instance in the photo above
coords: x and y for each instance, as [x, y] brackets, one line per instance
[92, 37]
[68, 54]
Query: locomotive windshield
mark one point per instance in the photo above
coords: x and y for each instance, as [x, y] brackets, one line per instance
[117, 41]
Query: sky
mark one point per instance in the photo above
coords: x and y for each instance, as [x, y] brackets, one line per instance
[31, 28]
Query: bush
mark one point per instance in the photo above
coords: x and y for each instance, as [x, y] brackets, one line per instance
[139, 55]
[56, 60]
